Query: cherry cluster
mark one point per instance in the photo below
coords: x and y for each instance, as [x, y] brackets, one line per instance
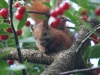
[4, 13]
[57, 12]
[96, 39]
[20, 11]
[19, 16]
[84, 15]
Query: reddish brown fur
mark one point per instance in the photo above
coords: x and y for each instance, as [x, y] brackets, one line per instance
[61, 37]
[58, 40]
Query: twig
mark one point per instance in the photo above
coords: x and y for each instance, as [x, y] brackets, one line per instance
[42, 13]
[80, 70]
[16, 37]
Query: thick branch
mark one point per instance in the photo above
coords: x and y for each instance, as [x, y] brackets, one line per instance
[71, 58]
[33, 56]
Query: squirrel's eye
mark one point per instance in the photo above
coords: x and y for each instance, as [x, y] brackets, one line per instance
[45, 33]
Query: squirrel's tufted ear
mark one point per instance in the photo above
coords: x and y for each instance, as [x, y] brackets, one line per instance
[45, 24]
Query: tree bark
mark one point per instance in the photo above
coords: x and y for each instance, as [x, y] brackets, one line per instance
[33, 56]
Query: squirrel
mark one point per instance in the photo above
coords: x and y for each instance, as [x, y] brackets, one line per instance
[49, 39]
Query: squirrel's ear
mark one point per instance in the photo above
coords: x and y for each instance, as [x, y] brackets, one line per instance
[45, 24]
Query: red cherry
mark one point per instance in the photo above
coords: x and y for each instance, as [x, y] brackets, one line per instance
[10, 62]
[4, 37]
[56, 23]
[19, 16]
[59, 10]
[21, 9]
[97, 12]
[84, 17]
[65, 6]
[96, 41]
[16, 4]
[28, 23]
[19, 32]
[53, 25]
[83, 12]
[97, 71]
[53, 13]
[9, 30]
[94, 37]
[4, 12]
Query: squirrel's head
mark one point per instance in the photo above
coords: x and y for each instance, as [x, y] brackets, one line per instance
[42, 33]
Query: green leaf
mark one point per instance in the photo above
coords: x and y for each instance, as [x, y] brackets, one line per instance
[11, 73]
[4, 25]
[3, 65]
[30, 45]
[86, 25]
[4, 53]
[3, 4]
[11, 42]
[86, 53]
[95, 51]
[1, 45]
[99, 62]
[19, 72]
[3, 32]
[18, 67]
[53, 3]
[15, 22]
[78, 74]
[81, 9]
[41, 17]
[22, 22]
[87, 4]
[47, 4]
[35, 68]
[72, 17]
[26, 32]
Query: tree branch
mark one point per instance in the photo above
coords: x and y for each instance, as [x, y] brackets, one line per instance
[33, 56]
[72, 58]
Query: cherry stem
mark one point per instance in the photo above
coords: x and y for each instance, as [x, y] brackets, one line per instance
[42, 13]
[15, 35]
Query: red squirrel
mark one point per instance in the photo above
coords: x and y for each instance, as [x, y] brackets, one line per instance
[49, 39]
